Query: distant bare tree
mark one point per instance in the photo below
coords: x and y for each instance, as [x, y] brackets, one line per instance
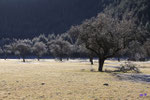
[66, 37]
[75, 51]
[105, 36]
[51, 37]
[60, 48]
[23, 48]
[17, 53]
[73, 34]
[39, 48]
[86, 53]
[1, 51]
[136, 52]
[41, 38]
[91, 57]
[7, 49]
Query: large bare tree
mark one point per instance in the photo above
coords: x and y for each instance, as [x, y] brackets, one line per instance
[105, 36]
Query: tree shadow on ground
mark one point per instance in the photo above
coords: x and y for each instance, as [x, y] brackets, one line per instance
[135, 77]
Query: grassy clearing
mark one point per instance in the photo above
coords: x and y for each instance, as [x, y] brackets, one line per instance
[50, 80]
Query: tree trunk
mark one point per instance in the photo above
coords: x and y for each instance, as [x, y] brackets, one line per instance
[67, 58]
[60, 58]
[118, 59]
[38, 58]
[23, 59]
[19, 57]
[5, 57]
[101, 63]
[91, 60]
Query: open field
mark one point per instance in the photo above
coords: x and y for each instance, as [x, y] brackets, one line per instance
[72, 80]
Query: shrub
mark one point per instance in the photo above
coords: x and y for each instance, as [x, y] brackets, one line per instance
[128, 66]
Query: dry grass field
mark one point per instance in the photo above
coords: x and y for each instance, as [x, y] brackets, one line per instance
[69, 80]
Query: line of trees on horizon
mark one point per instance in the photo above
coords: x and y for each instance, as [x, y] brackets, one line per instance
[102, 37]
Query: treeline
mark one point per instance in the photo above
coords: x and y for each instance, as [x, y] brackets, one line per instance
[57, 46]
[103, 37]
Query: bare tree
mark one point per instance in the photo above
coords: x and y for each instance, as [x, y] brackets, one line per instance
[60, 48]
[105, 36]
[17, 53]
[84, 52]
[7, 49]
[66, 37]
[51, 37]
[23, 48]
[91, 57]
[41, 38]
[39, 49]
[73, 34]
[1, 51]
[136, 52]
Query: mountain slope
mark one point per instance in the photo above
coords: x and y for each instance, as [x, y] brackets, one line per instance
[29, 18]
[138, 8]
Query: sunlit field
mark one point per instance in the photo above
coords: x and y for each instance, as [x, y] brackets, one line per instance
[69, 80]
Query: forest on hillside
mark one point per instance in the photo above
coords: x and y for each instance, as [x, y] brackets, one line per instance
[30, 18]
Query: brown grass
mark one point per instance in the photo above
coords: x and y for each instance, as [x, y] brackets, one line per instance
[50, 80]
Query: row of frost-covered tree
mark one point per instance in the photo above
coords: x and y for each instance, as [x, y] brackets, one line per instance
[100, 37]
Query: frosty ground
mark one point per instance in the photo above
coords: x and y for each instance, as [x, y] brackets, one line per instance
[71, 80]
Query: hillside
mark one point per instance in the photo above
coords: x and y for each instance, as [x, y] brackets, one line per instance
[138, 8]
[29, 18]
